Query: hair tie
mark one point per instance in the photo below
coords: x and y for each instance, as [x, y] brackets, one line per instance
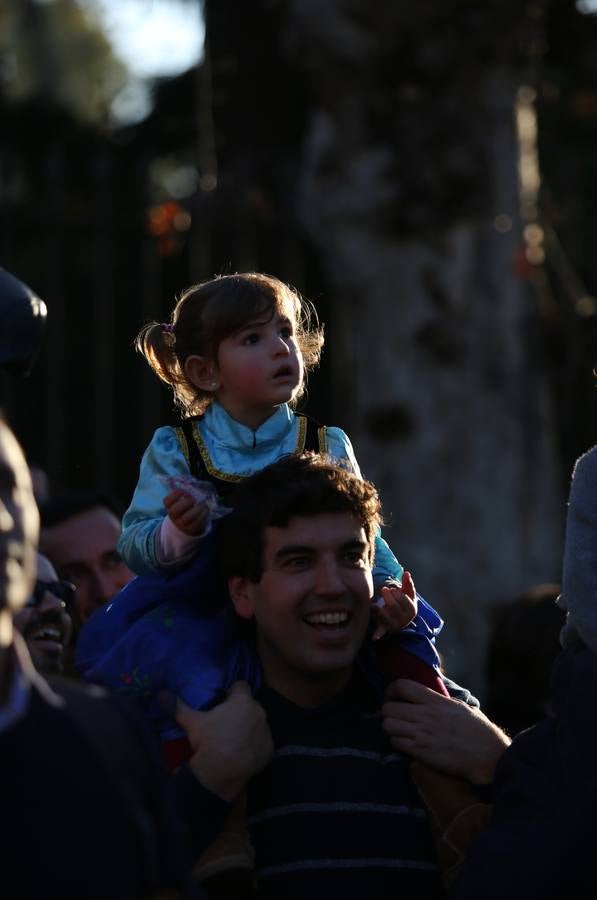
[167, 328]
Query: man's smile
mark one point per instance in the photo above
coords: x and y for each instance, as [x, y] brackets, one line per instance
[334, 619]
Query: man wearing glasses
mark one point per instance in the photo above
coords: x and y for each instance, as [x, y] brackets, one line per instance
[45, 621]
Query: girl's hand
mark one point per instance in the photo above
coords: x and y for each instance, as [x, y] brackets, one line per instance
[189, 516]
[399, 607]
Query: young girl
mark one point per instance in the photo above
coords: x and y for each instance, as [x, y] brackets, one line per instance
[236, 354]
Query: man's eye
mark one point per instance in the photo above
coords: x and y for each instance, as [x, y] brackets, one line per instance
[76, 576]
[296, 562]
[113, 559]
[354, 558]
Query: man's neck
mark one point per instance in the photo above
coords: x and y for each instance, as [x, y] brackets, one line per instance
[309, 693]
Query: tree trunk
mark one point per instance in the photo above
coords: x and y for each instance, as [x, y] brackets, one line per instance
[410, 157]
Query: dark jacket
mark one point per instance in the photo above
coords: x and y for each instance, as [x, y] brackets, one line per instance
[87, 808]
[541, 839]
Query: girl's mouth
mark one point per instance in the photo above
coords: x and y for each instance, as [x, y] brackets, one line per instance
[285, 372]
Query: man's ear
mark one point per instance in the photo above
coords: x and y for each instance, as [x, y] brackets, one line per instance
[239, 588]
[202, 373]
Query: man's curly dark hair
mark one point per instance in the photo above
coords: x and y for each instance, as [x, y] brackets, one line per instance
[306, 485]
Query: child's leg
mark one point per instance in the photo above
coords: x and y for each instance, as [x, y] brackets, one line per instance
[397, 662]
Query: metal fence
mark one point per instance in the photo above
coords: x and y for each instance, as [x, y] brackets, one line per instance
[77, 225]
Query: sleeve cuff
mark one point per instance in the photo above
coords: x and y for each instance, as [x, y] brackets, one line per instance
[173, 546]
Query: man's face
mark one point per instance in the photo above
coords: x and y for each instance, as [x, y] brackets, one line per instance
[83, 551]
[44, 621]
[19, 524]
[311, 605]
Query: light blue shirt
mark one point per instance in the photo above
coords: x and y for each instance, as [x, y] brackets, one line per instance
[233, 449]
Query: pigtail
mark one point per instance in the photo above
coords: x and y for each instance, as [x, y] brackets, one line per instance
[156, 342]
[156, 345]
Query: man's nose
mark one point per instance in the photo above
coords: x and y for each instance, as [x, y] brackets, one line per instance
[105, 585]
[51, 603]
[7, 523]
[328, 579]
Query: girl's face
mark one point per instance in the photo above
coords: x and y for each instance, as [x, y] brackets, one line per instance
[258, 368]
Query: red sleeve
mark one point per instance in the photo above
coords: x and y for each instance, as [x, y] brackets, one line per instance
[396, 662]
[176, 752]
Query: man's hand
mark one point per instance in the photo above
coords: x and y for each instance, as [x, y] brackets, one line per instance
[189, 516]
[442, 732]
[230, 743]
[398, 609]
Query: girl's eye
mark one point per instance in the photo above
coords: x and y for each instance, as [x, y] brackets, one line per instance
[286, 331]
[251, 339]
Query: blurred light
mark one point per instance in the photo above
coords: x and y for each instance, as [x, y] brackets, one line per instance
[182, 221]
[208, 182]
[502, 223]
[589, 7]
[153, 37]
[181, 182]
[132, 104]
[526, 95]
[533, 235]
[586, 306]
[528, 159]
[535, 255]
[158, 221]
[167, 222]
[173, 177]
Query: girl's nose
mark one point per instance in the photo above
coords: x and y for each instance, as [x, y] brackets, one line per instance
[280, 347]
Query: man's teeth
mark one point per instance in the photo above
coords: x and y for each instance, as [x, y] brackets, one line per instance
[331, 618]
[47, 634]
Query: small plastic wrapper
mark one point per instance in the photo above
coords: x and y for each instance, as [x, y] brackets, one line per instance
[200, 491]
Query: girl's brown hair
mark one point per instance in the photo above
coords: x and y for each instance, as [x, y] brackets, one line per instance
[207, 313]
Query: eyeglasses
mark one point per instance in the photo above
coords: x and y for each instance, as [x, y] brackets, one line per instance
[64, 590]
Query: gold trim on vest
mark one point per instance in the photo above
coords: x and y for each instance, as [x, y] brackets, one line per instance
[322, 437]
[227, 476]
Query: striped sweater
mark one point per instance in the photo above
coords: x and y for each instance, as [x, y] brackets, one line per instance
[335, 815]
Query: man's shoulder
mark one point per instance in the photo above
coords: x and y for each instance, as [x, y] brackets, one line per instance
[66, 688]
[78, 697]
[114, 727]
